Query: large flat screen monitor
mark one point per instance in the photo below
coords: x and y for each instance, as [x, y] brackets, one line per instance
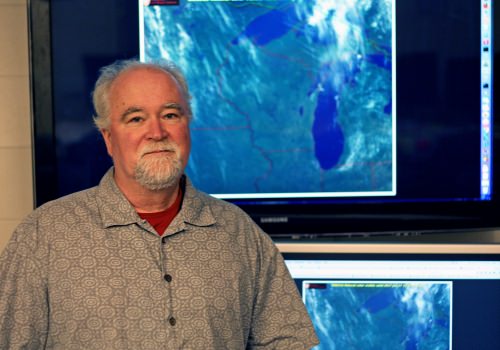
[319, 118]
[400, 297]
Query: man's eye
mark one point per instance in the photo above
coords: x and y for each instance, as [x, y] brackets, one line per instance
[171, 116]
[135, 120]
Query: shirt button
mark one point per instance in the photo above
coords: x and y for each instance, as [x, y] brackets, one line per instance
[172, 321]
[164, 240]
[167, 277]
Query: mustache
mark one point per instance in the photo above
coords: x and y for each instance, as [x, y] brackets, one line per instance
[162, 146]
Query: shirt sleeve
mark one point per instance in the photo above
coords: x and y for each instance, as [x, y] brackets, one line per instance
[280, 319]
[23, 296]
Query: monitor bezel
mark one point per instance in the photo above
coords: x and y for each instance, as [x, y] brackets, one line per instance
[294, 221]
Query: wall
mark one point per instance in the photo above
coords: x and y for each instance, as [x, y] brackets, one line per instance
[15, 124]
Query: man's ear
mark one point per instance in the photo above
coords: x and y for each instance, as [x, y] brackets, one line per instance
[106, 135]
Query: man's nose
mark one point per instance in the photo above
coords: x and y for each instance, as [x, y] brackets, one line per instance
[156, 129]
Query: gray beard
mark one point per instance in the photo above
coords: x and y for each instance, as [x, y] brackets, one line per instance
[159, 173]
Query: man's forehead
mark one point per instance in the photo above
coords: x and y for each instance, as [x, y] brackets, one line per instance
[135, 79]
[165, 106]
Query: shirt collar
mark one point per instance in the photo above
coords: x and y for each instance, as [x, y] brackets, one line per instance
[195, 208]
[116, 210]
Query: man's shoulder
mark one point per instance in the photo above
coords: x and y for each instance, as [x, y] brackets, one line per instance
[227, 216]
[55, 217]
[68, 203]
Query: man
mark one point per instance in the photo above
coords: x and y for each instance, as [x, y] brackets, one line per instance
[144, 260]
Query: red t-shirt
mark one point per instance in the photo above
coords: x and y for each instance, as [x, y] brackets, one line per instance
[161, 220]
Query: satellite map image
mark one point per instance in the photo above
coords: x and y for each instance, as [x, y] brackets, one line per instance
[380, 315]
[289, 97]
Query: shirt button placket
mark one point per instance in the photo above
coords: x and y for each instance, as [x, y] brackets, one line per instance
[168, 278]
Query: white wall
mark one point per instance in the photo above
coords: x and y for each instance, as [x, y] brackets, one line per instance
[16, 198]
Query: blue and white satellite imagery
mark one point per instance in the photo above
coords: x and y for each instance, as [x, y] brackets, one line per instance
[380, 315]
[288, 96]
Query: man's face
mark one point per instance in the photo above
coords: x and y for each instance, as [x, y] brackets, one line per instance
[148, 135]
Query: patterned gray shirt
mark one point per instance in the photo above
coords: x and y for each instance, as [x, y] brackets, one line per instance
[85, 272]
